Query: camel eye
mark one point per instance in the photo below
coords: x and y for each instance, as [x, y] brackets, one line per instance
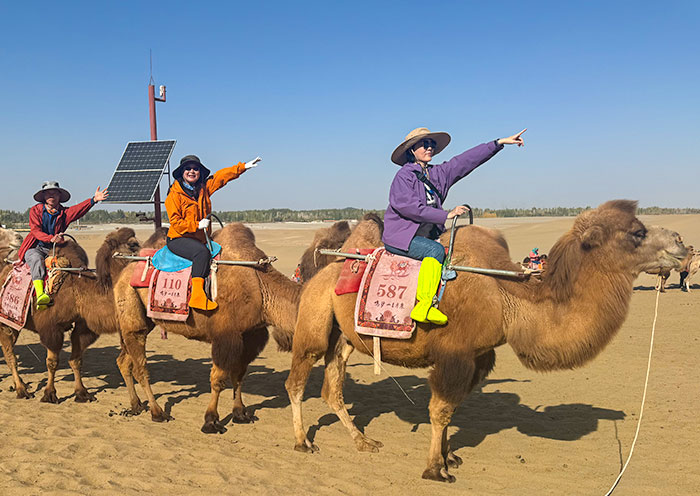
[640, 234]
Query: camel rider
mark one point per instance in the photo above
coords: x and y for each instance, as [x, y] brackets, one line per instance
[188, 204]
[48, 219]
[414, 219]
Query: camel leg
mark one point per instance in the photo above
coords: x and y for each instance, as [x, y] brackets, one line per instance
[135, 344]
[295, 385]
[51, 367]
[8, 338]
[226, 354]
[80, 339]
[217, 379]
[311, 337]
[253, 343]
[450, 381]
[332, 392]
[125, 367]
[484, 364]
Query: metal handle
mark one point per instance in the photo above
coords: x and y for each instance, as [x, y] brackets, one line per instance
[448, 260]
[206, 232]
[66, 235]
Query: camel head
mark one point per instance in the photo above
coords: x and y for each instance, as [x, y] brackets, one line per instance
[124, 241]
[612, 238]
[10, 241]
[157, 240]
[330, 238]
[368, 229]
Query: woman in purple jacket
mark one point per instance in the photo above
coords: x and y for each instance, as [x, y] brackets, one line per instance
[415, 218]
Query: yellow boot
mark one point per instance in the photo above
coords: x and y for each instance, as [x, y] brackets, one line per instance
[428, 282]
[198, 298]
[42, 299]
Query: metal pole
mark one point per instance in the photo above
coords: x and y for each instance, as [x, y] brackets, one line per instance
[154, 137]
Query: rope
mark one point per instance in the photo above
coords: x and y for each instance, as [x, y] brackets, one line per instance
[370, 353]
[644, 396]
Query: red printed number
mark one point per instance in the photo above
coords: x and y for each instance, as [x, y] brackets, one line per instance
[174, 284]
[390, 291]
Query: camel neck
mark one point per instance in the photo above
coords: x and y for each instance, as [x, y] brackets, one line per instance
[547, 334]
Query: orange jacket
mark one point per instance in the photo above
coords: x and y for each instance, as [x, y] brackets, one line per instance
[185, 212]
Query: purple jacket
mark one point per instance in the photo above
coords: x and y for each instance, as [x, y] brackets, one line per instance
[407, 200]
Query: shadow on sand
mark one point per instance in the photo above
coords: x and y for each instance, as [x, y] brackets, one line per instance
[480, 415]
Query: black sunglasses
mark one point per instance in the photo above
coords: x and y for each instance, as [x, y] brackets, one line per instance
[426, 143]
[191, 167]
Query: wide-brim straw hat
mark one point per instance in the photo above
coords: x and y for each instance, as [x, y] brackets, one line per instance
[49, 185]
[442, 140]
[191, 159]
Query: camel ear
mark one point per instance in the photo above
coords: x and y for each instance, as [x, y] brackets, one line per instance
[592, 237]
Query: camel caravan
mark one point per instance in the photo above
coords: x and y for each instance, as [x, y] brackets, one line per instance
[402, 290]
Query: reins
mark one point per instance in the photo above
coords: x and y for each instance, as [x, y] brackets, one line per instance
[644, 397]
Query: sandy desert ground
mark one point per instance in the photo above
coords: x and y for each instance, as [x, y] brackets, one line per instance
[521, 433]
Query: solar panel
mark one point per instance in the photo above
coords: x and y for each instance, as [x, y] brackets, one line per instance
[139, 171]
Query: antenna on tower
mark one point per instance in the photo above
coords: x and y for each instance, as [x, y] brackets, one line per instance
[150, 55]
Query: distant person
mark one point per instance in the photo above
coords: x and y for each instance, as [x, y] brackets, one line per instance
[415, 218]
[188, 204]
[48, 220]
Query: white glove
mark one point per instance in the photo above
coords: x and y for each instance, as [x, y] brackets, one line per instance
[252, 163]
[204, 223]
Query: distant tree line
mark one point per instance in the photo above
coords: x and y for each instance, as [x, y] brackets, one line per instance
[13, 219]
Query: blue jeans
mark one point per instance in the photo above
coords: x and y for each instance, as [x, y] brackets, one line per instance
[420, 248]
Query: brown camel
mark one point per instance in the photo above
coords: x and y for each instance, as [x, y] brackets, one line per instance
[250, 300]
[10, 242]
[84, 303]
[664, 273]
[559, 322]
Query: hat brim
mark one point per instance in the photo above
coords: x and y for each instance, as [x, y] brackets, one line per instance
[39, 195]
[441, 140]
[203, 171]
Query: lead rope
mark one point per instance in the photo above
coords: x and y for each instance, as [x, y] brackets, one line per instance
[644, 396]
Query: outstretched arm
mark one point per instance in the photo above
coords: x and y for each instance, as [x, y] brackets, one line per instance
[516, 139]
[77, 211]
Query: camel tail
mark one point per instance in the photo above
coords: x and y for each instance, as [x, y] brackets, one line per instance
[282, 338]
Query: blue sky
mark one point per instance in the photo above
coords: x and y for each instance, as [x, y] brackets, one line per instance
[324, 91]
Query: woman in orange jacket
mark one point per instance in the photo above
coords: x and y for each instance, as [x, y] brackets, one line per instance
[188, 204]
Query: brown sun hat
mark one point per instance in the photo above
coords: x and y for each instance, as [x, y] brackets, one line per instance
[399, 155]
[49, 185]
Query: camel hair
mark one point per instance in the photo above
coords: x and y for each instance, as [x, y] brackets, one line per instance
[84, 303]
[251, 299]
[559, 322]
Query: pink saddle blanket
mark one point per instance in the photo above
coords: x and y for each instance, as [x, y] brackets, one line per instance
[16, 297]
[169, 295]
[387, 296]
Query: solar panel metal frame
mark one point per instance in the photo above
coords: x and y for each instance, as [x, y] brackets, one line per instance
[127, 171]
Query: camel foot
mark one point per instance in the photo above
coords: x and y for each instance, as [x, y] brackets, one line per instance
[213, 427]
[366, 444]
[160, 416]
[452, 460]
[242, 416]
[136, 408]
[23, 394]
[439, 474]
[49, 397]
[83, 396]
[306, 447]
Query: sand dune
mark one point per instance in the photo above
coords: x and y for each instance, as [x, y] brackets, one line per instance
[520, 433]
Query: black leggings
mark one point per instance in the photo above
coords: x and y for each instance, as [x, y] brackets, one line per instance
[194, 250]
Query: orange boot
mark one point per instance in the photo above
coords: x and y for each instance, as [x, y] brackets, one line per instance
[198, 298]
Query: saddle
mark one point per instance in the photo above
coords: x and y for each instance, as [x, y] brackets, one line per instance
[168, 277]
